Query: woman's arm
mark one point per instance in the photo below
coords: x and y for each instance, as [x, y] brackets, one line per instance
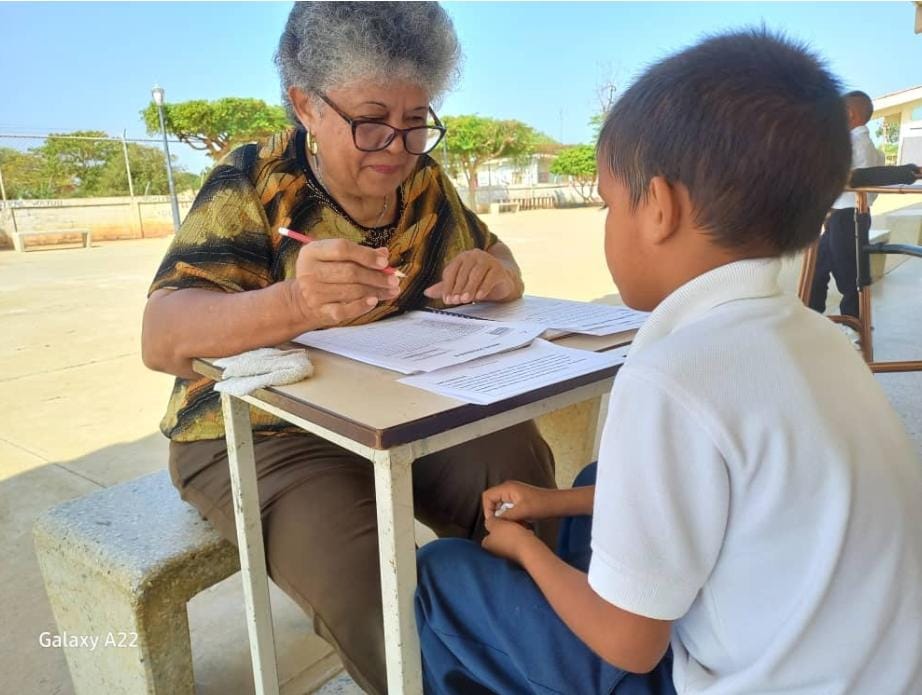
[181, 324]
[335, 281]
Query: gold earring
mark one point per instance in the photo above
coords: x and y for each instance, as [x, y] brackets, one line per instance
[311, 143]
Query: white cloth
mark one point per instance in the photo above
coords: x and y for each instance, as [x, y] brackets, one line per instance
[864, 154]
[756, 487]
[256, 369]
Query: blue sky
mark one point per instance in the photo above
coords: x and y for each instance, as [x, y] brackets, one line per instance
[68, 66]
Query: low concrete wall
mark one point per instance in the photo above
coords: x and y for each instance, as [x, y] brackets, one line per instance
[564, 195]
[106, 218]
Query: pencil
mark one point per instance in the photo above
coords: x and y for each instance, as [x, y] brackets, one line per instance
[297, 236]
[305, 239]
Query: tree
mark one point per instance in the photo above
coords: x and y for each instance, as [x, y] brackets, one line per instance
[78, 162]
[605, 92]
[148, 172]
[473, 140]
[579, 163]
[26, 175]
[889, 132]
[65, 168]
[217, 126]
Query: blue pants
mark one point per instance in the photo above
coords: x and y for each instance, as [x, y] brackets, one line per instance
[485, 627]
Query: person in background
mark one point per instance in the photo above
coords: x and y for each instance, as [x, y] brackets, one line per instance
[837, 251]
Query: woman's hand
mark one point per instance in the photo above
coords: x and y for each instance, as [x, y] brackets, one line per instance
[338, 280]
[476, 276]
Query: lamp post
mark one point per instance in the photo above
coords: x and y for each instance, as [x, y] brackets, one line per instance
[157, 94]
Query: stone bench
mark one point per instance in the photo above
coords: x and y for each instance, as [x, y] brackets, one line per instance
[878, 261]
[504, 206]
[120, 565]
[20, 236]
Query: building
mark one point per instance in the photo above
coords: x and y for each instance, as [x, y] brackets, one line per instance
[902, 113]
[526, 171]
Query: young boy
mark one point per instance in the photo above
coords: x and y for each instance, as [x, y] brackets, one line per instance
[758, 500]
[837, 252]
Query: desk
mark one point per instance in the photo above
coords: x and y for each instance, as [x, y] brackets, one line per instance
[365, 410]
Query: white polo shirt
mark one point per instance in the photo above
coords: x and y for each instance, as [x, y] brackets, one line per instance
[864, 154]
[756, 487]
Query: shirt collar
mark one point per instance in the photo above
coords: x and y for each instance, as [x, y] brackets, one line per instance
[859, 129]
[747, 279]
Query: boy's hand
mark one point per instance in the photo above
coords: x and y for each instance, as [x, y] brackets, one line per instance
[509, 539]
[528, 503]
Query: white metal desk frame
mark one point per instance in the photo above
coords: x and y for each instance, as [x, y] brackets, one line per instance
[396, 539]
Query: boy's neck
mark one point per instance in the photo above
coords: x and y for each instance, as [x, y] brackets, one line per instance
[696, 254]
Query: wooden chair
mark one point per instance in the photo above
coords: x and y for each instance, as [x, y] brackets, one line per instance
[862, 325]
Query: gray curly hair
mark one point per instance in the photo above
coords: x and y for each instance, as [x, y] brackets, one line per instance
[327, 44]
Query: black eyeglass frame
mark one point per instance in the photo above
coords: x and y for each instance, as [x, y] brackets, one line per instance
[354, 123]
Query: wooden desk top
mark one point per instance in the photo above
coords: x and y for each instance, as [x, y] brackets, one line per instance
[369, 406]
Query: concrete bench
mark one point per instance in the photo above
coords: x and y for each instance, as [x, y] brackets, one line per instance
[905, 225]
[20, 236]
[878, 261]
[504, 206]
[119, 566]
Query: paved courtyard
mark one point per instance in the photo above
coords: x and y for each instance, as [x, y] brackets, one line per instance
[80, 412]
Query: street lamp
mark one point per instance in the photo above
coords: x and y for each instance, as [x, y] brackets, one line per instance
[157, 94]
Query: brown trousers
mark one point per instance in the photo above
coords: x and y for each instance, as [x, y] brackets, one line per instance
[320, 524]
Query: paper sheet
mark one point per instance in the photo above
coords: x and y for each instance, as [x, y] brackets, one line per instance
[559, 315]
[492, 379]
[421, 341]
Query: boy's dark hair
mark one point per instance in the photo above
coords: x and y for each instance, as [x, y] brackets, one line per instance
[864, 103]
[752, 124]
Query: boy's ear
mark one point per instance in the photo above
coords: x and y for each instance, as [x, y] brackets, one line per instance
[664, 209]
[303, 107]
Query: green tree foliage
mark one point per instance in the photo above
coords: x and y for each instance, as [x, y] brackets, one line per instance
[217, 126]
[579, 163]
[77, 162]
[26, 175]
[64, 168]
[148, 173]
[889, 132]
[473, 140]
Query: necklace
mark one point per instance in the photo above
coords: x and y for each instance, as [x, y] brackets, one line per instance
[323, 183]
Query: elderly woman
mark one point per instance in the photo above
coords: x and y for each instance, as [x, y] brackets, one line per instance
[359, 80]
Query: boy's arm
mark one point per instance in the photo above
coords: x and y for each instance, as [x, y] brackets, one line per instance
[628, 641]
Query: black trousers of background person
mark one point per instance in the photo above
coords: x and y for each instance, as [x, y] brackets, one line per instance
[837, 255]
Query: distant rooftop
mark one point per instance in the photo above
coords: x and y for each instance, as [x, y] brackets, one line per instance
[904, 96]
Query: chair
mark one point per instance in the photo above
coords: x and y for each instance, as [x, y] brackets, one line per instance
[861, 184]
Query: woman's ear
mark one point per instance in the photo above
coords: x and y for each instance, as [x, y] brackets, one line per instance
[304, 107]
[663, 210]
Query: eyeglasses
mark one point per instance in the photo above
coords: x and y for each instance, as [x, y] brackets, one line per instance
[374, 136]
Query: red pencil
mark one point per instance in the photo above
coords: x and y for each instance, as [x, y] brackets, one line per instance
[305, 239]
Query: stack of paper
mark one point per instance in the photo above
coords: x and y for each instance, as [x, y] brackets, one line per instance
[558, 315]
[421, 341]
[492, 379]
[477, 353]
